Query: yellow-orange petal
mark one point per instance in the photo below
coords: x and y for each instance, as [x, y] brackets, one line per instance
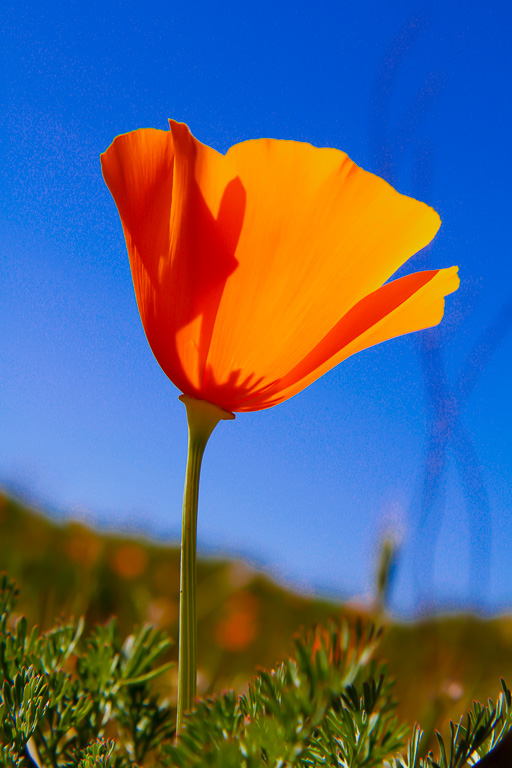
[409, 304]
[319, 233]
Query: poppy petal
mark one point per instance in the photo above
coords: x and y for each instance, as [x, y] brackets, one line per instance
[409, 304]
[181, 210]
[207, 217]
[319, 233]
[138, 169]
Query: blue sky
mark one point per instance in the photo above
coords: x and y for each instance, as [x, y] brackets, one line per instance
[91, 427]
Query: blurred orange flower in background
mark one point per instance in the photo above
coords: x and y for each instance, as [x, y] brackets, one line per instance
[259, 270]
[239, 626]
[129, 561]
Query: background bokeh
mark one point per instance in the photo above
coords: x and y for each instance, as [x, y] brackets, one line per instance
[412, 436]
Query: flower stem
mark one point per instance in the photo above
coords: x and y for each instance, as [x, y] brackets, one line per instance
[202, 418]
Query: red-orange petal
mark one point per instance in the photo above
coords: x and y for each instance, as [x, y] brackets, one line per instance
[181, 211]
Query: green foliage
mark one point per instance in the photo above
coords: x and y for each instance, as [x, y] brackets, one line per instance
[324, 707]
[97, 755]
[74, 701]
[245, 620]
[62, 694]
[483, 728]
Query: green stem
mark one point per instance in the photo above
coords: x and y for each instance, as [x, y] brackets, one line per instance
[202, 418]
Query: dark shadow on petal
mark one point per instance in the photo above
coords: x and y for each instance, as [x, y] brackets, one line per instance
[235, 391]
[189, 283]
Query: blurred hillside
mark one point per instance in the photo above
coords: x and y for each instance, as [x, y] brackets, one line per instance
[246, 621]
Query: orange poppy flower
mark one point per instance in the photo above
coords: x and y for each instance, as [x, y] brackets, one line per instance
[259, 270]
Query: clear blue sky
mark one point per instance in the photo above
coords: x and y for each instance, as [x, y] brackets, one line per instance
[415, 434]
